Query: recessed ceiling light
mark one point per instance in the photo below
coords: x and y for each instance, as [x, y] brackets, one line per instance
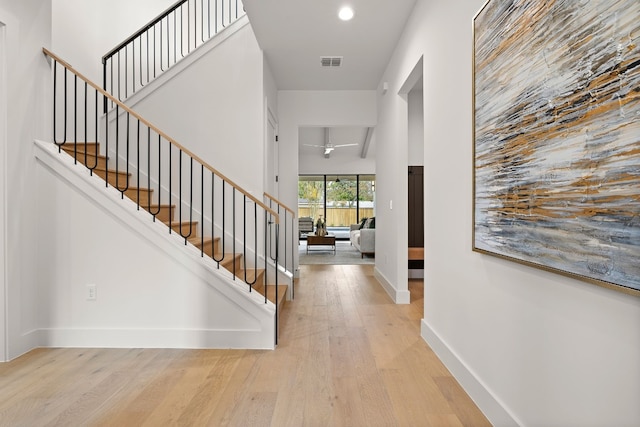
[346, 13]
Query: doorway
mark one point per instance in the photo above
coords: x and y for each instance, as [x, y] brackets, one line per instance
[413, 93]
[273, 154]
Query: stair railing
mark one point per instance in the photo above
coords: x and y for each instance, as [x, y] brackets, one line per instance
[165, 179]
[287, 220]
[163, 42]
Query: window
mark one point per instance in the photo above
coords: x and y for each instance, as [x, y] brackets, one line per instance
[342, 200]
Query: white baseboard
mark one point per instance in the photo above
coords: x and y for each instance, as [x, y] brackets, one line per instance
[155, 338]
[24, 344]
[490, 406]
[398, 296]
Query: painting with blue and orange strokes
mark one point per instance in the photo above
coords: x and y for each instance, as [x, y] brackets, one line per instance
[557, 136]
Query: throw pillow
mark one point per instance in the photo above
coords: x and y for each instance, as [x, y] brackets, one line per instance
[362, 223]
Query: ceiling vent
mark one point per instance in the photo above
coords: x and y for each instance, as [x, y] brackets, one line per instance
[331, 61]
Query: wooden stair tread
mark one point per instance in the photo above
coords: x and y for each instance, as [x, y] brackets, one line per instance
[195, 241]
[101, 169]
[228, 258]
[282, 294]
[142, 190]
[185, 222]
[251, 274]
[85, 153]
[93, 146]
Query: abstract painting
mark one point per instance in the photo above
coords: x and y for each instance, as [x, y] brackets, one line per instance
[557, 137]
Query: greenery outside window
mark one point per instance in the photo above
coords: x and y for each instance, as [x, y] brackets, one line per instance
[342, 200]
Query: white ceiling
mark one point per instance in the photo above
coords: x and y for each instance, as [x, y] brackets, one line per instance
[294, 34]
[310, 136]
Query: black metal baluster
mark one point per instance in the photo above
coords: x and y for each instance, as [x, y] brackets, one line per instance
[138, 165]
[55, 99]
[153, 53]
[117, 153]
[118, 93]
[182, 31]
[213, 222]
[104, 80]
[126, 157]
[175, 38]
[95, 127]
[161, 39]
[208, 19]
[133, 66]
[106, 140]
[266, 232]
[202, 210]
[126, 71]
[75, 119]
[168, 44]
[222, 21]
[202, 21]
[170, 186]
[276, 282]
[85, 125]
[111, 64]
[233, 228]
[148, 63]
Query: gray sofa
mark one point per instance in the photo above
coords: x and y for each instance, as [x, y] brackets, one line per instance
[305, 226]
[363, 237]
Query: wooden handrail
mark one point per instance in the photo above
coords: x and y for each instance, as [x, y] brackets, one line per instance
[161, 133]
[270, 197]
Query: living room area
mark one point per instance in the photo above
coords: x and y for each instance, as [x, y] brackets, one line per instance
[336, 195]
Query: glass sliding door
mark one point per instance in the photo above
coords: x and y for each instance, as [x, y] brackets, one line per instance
[366, 196]
[342, 200]
[311, 197]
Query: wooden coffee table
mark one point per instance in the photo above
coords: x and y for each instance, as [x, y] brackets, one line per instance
[328, 240]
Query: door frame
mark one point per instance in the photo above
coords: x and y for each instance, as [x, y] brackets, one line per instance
[4, 321]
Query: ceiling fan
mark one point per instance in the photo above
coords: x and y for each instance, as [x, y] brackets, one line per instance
[328, 145]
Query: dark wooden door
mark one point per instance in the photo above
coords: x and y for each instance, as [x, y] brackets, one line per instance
[416, 211]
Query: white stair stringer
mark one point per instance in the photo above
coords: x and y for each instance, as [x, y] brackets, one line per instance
[152, 290]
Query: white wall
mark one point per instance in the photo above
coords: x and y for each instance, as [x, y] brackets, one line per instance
[27, 30]
[415, 155]
[315, 108]
[531, 347]
[83, 31]
[270, 121]
[3, 182]
[221, 118]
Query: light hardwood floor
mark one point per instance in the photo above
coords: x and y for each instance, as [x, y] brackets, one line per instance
[347, 356]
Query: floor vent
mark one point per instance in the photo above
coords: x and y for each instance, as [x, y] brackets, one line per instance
[331, 61]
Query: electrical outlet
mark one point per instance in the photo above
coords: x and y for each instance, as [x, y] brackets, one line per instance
[91, 292]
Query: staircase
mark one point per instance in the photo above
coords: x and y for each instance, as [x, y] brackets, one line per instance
[205, 208]
[88, 155]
